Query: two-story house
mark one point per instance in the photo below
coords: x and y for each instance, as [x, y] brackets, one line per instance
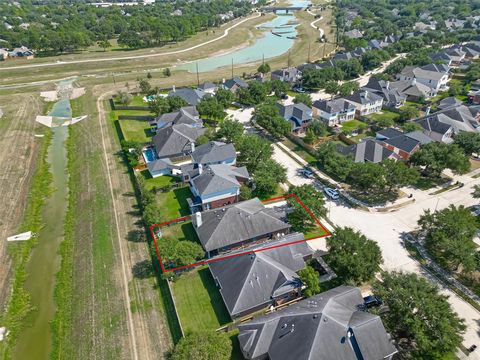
[434, 76]
[392, 98]
[216, 185]
[333, 112]
[288, 75]
[299, 115]
[365, 102]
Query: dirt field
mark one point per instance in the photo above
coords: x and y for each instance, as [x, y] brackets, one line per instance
[18, 150]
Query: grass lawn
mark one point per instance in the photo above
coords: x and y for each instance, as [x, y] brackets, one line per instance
[136, 130]
[159, 181]
[199, 303]
[173, 204]
[278, 192]
[299, 151]
[317, 231]
[181, 231]
[384, 115]
[353, 125]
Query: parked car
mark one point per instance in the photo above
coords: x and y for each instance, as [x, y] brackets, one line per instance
[306, 172]
[332, 193]
[475, 210]
[299, 89]
[372, 301]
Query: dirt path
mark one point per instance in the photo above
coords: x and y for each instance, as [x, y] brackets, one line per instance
[18, 150]
[225, 33]
[149, 333]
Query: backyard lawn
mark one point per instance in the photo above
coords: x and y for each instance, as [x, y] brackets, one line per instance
[199, 303]
[384, 115]
[173, 204]
[181, 231]
[136, 130]
[352, 125]
[299, 151]
[158, 181]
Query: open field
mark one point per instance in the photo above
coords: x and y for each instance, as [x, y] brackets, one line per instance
[18, 156]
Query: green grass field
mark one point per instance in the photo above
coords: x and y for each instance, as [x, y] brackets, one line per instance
[173, 204]
[136, 130]
[384, 115]
[199, 303]
[159, 181]
[352, 125]
[180, 231]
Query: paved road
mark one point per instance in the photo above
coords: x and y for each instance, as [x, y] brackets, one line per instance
[59, 63]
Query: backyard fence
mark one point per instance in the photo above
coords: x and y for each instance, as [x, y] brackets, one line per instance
[114, 106]
[136, 117]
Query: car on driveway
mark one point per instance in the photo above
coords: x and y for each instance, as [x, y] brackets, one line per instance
[371, 301]
[307, 173]
[332, 193]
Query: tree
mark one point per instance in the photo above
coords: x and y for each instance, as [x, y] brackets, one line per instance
[332, 88]
[449, 236]
[419, 317]
[266, 177]
[149, 75]
[211, 109]
[347, 88]
[104, 44]
[268, 117]
[408, 113]
[179, 252]
[158, 105]
[303, 98]
[152, 214]
[202, 139]
[367, 177]
[230, 130]
[314, 200]
[225, 97]
[318, 127]
[203, 345]
[398, 174]
[264, 68]
[253, 151]
[279, 88]
[166, 72]
[311, 278]
[411, 126]
[124, 97]
[145, 86]
[436, 157]
[333, 162]
[245, 192]
[476, 192]
[353, 257]
[175, 103]
[469, 142]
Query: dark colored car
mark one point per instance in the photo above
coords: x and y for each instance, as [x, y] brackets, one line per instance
[371, 301]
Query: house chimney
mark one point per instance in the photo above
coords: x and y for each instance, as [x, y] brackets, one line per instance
[387, 85]
[192, 146]
[173, 88]
[414, 81]
[200, 169]
[198, 219]
[427, 110]
[223, 81]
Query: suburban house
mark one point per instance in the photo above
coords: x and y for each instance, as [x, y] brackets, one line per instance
[215, 186]
[191, 96]
[333, 112]
[235, 226]
[255, 281]
[234, 84]
[208, 87]
[299, 115]
[289, 75]
[459, 118]
[186, 115]
[330, 325]
[215, 152]
[176, 141]
[449, 102]
[347, 55]
[368, 150]
[365, 102]
[392, 98]
[397, 142]
[434, 76]
[353, 34]
[435, 129]
[413, 90]
[472, 50]
[21, 52]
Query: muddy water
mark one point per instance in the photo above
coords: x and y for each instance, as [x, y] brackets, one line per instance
[35, 342]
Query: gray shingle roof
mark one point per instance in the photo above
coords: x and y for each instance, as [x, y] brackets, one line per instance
[191, 96]
[175, 139]
[420, 137]
[235, 81]
[411, 88]
[186, 115]
[389, 133]
[213, 152]
[448, 102]
[251, 280]
[403, 142]
[219, 177]
[333, 106]
[430, 71]
[237, 223]
[326, 326]
[363, 97]
[367, 150]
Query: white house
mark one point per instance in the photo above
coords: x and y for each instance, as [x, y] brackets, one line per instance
[333, 112]
[434, 76]
[365, 102]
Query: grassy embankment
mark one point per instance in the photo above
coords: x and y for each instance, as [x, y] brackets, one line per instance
[19, 306]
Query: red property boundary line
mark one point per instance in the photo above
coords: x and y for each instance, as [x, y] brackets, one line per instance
[206, 261]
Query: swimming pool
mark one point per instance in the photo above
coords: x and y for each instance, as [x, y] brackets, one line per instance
[149, 155]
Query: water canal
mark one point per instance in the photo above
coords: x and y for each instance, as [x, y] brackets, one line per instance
[35, 342]
[277, 39]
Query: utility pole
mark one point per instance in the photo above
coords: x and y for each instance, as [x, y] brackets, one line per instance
[263, 59]
[308, 59]
[198, 76]
[324, 45]
[288, 61]
[232, 67]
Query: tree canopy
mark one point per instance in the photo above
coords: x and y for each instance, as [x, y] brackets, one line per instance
[449, 236]
[436, 157]
[419, 318]
[311, 278]
[203, 345]
[268, 116]
[267, 175]
[230, 130]
[354, 258]
[253, 151]
[314, 200]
